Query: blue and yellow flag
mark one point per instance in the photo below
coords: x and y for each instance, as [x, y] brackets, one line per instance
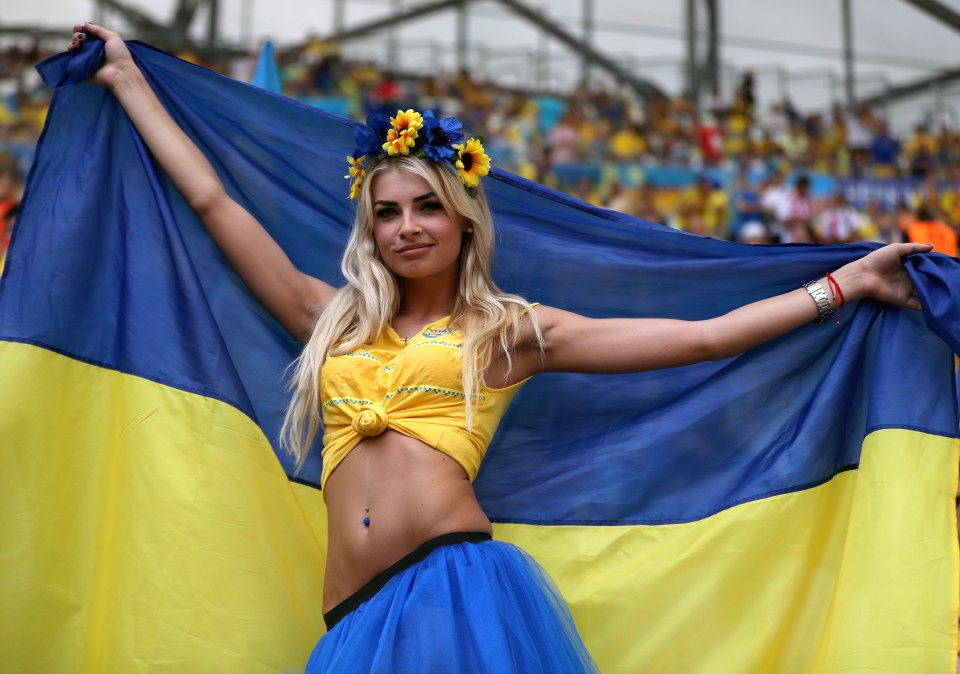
[790, 509]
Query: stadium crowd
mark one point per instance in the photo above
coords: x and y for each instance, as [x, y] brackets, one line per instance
[729, 170]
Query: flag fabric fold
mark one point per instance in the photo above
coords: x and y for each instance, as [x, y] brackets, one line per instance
[786, 510]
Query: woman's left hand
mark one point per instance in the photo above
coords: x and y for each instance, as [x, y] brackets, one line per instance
[881, 275]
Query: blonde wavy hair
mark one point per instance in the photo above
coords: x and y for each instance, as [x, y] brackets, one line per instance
[487, 317]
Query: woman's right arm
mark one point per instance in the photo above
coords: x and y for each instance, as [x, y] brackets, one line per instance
[292, 297]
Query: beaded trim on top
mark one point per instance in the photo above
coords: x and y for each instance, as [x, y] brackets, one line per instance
[425, 136]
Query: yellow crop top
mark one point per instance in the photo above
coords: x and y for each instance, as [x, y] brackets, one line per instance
[414, 388]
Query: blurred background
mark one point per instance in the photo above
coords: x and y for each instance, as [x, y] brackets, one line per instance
[764, 122]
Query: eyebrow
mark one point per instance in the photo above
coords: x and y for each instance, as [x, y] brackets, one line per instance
[415, 199]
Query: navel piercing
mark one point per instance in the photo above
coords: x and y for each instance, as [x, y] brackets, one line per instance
[366, 520]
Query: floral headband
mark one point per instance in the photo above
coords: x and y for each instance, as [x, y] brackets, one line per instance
[424, 136]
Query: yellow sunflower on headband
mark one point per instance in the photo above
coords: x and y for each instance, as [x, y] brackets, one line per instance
[357, 174]
[472, 162]
[403, 135]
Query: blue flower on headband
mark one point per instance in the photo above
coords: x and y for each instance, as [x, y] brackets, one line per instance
[412, 134]
[440, 135]
[370, 138]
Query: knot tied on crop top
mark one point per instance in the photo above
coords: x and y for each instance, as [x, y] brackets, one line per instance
[414, 387]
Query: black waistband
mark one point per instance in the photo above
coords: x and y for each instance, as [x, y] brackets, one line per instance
[344, 608]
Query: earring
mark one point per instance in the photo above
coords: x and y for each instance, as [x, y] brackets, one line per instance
[469, 230]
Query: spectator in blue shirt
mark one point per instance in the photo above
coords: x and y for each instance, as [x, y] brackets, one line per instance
[746, 204]
[886, 152]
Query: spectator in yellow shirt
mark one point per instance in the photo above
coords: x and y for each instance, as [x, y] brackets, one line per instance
[627, 143]
[709, 204]
[921, 152]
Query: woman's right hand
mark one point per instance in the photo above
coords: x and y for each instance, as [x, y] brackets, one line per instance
[116, 60]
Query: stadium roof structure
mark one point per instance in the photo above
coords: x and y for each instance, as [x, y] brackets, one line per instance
[594, 37]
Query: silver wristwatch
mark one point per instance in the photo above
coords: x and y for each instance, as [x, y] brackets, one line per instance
[819, 296]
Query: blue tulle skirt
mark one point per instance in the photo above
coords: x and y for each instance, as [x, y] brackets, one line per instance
[455, 605]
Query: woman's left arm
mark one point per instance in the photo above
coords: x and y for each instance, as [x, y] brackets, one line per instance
[574, 343]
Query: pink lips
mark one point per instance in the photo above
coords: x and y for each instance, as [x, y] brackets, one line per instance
[415, 250]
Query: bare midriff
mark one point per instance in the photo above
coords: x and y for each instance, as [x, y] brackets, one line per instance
[410, 492]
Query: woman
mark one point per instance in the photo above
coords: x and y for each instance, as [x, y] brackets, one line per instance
[409, 368]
